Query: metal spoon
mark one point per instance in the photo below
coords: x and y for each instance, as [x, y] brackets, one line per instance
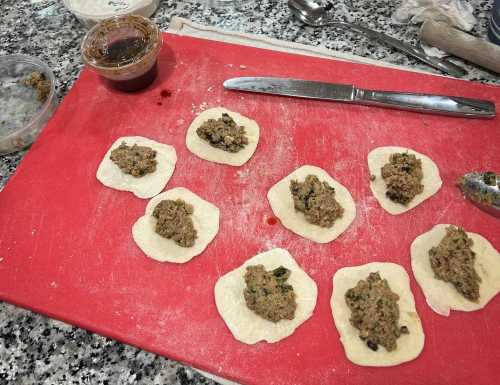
[315, 15]
[483, 189]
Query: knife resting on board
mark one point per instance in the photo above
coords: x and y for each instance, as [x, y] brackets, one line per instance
[436, 104]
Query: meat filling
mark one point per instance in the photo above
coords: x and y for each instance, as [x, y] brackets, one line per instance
[316, 200]
[223, 133]
[136, 160]
[453, 261]
[268, 294]
[38, 81]
[375, 312]
[403, 176]
[174, 221]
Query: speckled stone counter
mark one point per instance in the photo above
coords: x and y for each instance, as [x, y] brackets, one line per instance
[37, 350]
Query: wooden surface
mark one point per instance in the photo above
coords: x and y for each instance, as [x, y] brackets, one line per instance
[66, 248]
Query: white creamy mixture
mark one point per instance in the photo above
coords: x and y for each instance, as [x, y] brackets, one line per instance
[99, 7]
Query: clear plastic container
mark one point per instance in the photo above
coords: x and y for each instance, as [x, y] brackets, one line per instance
[24, 110]
[124, 50]
[91, 12]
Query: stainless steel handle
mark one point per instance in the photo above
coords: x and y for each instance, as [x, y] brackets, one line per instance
[448, 105]
[443, 65]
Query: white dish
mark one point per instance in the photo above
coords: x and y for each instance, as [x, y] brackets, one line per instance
[91, 12]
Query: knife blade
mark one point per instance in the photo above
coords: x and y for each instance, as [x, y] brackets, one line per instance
[347, 93]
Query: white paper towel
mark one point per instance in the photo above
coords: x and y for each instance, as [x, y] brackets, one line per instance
[456, 13]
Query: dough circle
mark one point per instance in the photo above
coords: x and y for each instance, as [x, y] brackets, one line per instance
[442, 296]
[205, 219]
[431, 180]
[281, 202]
[204, 150]
[409, 345]
[247, 326]
[147, 186]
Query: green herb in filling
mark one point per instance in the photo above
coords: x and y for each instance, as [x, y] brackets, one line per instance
[453, 261]
[316, 200]
[268, 294]
[223, 133]
[403, 177]
[174, 221]
[375, 312]
[134, 160]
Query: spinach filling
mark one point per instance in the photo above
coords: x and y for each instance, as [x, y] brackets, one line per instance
[174, 221]
[134, 160]
[403, 177]
[453, 261]
[223, 133]
[375, 312]
[267, 293]
[316, 200]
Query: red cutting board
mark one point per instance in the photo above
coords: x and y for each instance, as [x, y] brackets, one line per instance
[66, 247]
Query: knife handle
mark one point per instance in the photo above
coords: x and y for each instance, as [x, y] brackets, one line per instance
[448, 105]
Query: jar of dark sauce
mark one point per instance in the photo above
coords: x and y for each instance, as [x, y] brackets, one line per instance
[124, 50]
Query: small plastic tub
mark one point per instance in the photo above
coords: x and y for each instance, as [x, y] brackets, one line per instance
[27, 100]
[91, 12]
[124, 50]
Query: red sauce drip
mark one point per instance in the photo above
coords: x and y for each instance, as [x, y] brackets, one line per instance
[272, 221]
[165, 93]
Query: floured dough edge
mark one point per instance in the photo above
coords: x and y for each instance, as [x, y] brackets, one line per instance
[409, 346]
[281, 201]
[244, 324]
[204, 150]
[205, 219]
[442, 296]
[431, 180]
[147, 186]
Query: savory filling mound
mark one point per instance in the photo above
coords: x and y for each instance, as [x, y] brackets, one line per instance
[134, 160]
[375, 312]
[403, 177]
[223, 133]
[316, 200]
[40, 84]
[267, 293]
[453, 261]
[174, 221]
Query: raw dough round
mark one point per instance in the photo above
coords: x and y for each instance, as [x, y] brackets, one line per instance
[442, 296]
[204, 150]
[281, 201]
[409, 345]
[147, 186]
[247, 326]
[431, 180]
[205, 219]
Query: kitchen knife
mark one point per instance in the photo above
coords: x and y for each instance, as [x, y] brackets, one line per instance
[437, 104]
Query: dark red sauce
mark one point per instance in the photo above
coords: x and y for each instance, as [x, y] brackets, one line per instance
[272, 221]
[123, 51]
[137, 83]
[165, 93]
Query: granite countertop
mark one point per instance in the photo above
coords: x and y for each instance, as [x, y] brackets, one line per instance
[37, 350]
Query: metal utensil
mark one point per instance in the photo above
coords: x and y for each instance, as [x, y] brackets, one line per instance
[483, 190]
[315, 15]
[438, 104]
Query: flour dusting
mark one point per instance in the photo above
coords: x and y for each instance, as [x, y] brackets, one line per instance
[243, 174]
